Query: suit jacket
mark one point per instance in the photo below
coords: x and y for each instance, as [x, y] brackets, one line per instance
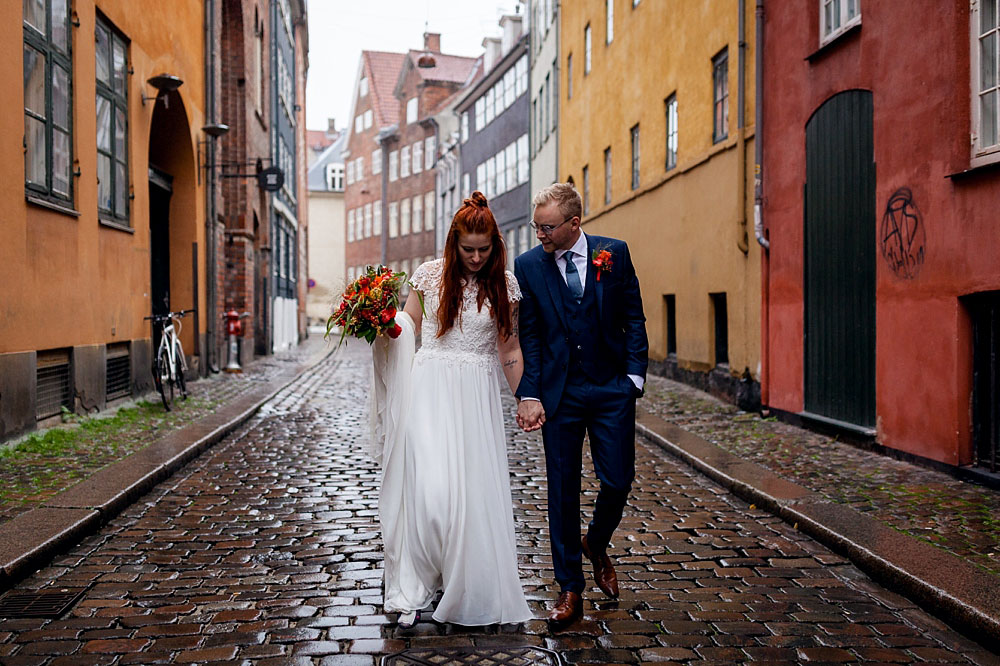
[544, 336]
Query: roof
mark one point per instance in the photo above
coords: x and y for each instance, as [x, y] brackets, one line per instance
[316, 177]
[447, 68]
[319, 140]
[383, 69]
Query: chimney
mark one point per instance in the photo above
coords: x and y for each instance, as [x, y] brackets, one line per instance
[331, 125]
[432, 42]
[492, 56]
[511, 31]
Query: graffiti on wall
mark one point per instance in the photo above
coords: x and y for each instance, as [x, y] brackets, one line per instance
[902, 235]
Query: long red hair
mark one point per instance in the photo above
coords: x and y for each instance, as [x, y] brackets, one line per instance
[475, 217]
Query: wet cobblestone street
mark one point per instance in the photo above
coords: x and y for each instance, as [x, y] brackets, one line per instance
[266, 550]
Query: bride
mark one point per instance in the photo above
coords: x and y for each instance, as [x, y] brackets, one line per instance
[445, 503]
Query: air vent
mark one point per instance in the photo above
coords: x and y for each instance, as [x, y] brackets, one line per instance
[52, 389]
[43, 603]
[119, 372]
[493, 656]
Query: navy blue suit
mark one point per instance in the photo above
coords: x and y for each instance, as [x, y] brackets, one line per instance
[577, 358]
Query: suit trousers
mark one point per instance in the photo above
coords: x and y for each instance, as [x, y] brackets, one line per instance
[605, 412]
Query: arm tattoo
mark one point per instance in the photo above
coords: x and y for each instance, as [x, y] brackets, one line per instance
[511, 363]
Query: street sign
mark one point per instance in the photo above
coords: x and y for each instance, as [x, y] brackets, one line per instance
[271, 179]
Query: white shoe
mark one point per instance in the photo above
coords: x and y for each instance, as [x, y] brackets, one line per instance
[407, 620]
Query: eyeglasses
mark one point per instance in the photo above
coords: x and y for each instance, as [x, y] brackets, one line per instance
[547, 229]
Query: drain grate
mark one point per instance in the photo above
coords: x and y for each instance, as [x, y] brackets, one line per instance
[44, 603]
[492, 656]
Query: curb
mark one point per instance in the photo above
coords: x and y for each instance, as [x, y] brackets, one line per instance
[944, 585]
[34, 537]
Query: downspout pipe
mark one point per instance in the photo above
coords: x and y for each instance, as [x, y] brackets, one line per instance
[211, 278]
[741, 145]
[765, 259]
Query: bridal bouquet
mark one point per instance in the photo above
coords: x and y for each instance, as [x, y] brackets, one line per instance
[368, 307]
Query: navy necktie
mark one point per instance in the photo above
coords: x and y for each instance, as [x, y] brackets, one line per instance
[573, 277]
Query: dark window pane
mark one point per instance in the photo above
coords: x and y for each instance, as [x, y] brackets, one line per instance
[34, 81]
[120, 133]
[119, 67]
[60, 162]
[121, 187]
[34, 156]
[60, 25]
[103, 50]
[34, 14]
[104, 192]
[60, 97]
[103, 124]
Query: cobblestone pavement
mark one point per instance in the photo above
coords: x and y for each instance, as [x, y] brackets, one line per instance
[958, 516]
[38, 467]
[266, 550]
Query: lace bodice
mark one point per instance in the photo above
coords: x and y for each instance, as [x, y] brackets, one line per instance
[473, 338]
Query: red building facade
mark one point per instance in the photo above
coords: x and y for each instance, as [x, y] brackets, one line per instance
[880, 285]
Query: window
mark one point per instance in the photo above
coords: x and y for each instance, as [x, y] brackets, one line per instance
[411, 110]
[465, 127]
[418, 213]
[522, 159]
[480, 178]
[491, 178]
[609, 9]
[368, 220]
[509, 84]
[721, 328]
[369, 118]
[350, 226]
[418, 157]
[377, 161]
[404, 162]
[546, 99]
[258, 59]
[534, 123]
[521, 84]
[350, 172]
[112, 125]
[393, 219]
[671, 104]
[670, 307]
[48, 98]
[720, 96]
[377, 218]
[554, 116]
[466, 185]
[363, 87]
[837, 16]
[394, 165]
[635, 3]
[586, 50]
[986, 77]
[359, 123]
[511, 160]
[569, 76]
[430, 152]
[480, 114]
[491, 96]
[404, 217]
[359, 170]
[335, 177]
[429, 211]
[586, 190]
[634, 133]
[607, 175]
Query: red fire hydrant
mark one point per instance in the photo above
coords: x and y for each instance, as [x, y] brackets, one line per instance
[234, 328]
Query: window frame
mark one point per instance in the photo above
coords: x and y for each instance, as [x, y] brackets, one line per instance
[847, 22]
[990, 154]
[720, 105]
[671, 131]
[569, 76]
[588, 48]
[607, 175]
[119, 103]
[54, 56]
[412, 110]
[634, 137]
[586, 189]
[609, 22]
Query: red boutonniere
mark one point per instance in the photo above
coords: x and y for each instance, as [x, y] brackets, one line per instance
[601, 259]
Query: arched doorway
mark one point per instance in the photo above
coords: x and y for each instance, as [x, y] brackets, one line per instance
[173, 227]
[840, 250]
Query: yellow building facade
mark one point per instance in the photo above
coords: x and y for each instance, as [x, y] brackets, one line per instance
[651, 133]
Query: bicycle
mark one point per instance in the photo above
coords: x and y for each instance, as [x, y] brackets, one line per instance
[169, 363]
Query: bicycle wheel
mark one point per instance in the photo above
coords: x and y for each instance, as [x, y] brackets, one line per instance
[162, 379]
[179, 372]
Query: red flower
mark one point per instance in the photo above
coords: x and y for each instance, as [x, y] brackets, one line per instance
[601, 259]
[394, 331]
[387, 315]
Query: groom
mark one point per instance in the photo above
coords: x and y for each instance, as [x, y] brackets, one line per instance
[583, 336]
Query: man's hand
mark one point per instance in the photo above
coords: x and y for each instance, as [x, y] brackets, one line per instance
[530, 415]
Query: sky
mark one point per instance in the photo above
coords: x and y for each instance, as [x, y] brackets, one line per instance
[340, 29]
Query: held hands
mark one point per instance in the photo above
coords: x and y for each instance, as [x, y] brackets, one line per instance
[530, 415]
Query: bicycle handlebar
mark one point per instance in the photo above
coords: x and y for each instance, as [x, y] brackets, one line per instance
[169, 315]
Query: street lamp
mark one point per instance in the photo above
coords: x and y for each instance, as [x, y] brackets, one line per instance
[164, 84]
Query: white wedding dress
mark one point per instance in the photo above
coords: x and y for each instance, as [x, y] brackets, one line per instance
[445, 504]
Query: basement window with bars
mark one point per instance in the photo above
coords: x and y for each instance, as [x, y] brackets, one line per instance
[53, 386]
[118, 371]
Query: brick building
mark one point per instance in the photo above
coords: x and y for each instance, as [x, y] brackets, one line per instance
[390, 194]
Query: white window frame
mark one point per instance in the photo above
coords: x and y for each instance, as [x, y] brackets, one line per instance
[393, 219]
[350, 225]
[465, 127]
[411, 110]
[369, 117]
[377, 161]
[350, 172]
[609, 10]
[418, 156]
[671, 122]
[588, 47]
[394, 166]
[363, 87]
[368, 220]
[418, 213]
[845, 20]
[429, 211]
[404, 161]
[404, 217]
[430, 148]
[988, 154]
[377, 218]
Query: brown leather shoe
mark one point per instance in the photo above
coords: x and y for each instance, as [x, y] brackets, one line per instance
[568, 608]
[604, 571]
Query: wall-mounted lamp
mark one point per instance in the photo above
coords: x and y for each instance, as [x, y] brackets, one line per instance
[164, 84]
[213, 131]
